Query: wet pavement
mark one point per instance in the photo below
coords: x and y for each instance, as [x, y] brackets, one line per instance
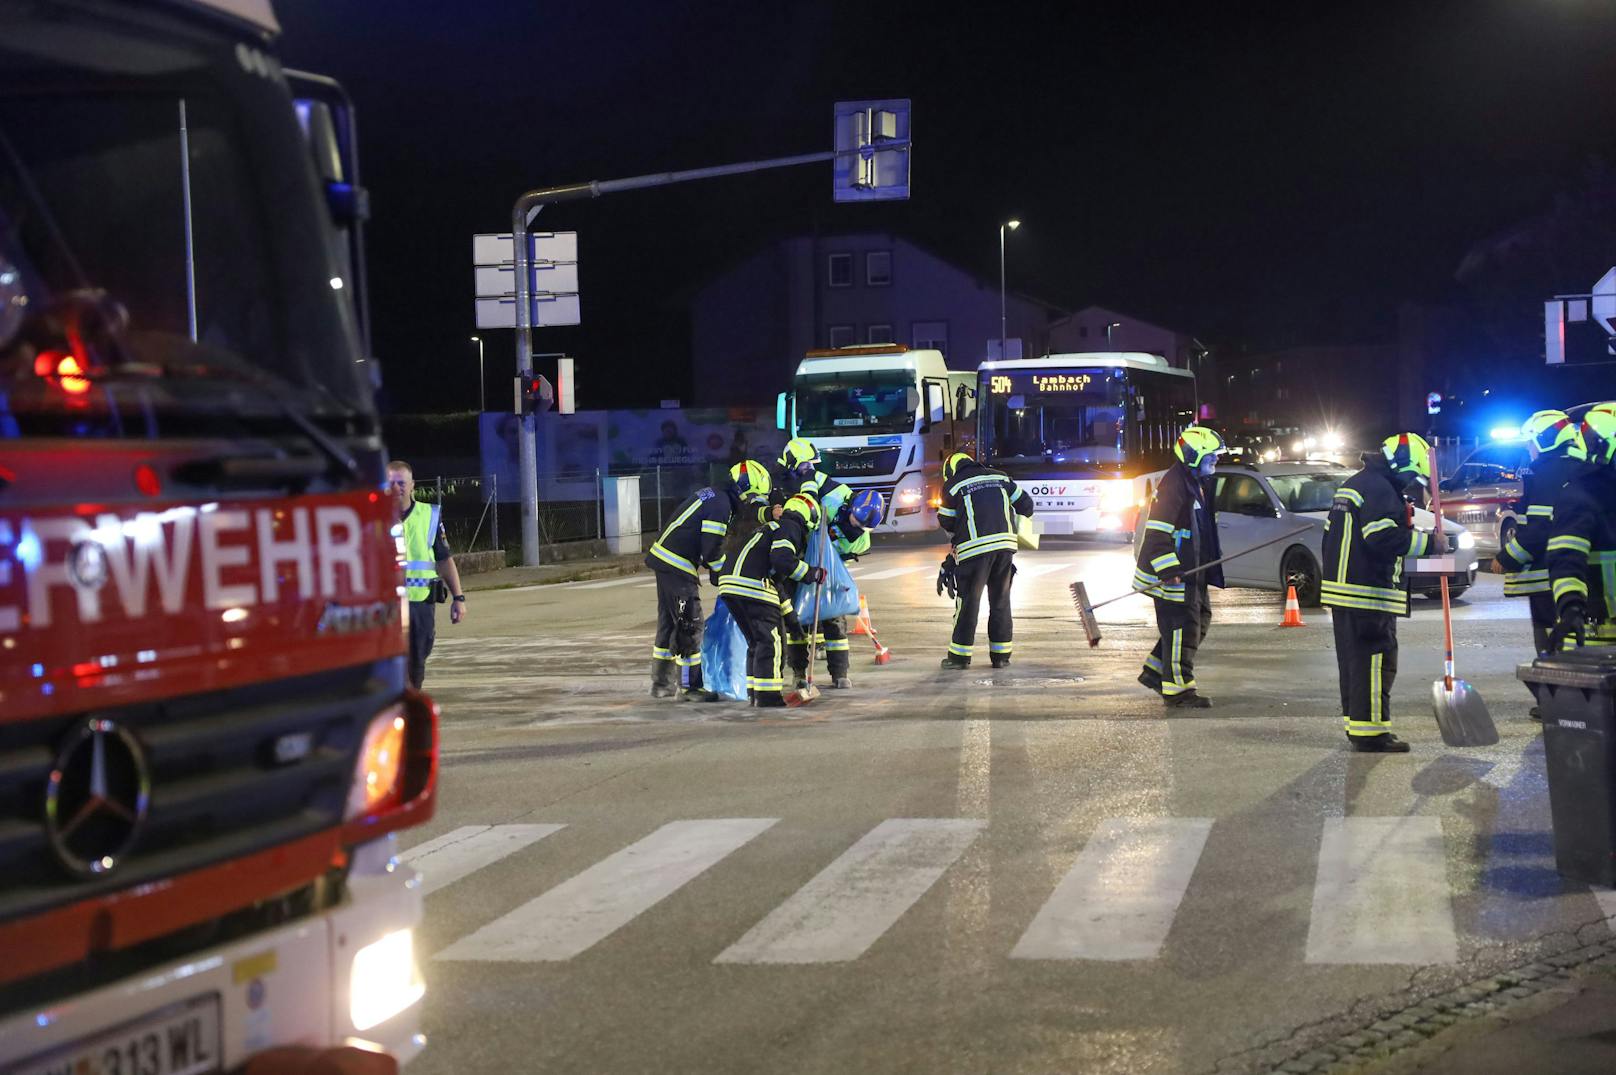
[1038, 869]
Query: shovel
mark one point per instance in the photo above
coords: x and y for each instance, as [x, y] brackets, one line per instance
[1085, 610]
[808, 692]
[1461, 715]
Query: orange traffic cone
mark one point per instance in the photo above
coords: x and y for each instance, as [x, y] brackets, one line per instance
[1293, 610]
[861, 623]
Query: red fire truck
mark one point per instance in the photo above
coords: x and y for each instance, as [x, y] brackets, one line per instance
[206, 739]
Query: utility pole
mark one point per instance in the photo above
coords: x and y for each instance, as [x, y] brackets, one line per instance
[1004, 345]
[482, 391]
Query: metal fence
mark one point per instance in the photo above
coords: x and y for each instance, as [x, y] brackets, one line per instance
[476, 519]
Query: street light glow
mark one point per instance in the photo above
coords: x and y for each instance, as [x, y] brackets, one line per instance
[1012, 224]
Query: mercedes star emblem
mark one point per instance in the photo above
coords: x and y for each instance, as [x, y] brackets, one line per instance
[96, 799]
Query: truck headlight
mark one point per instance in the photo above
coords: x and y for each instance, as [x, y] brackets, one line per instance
[908, 501]
[1467, 540]
[376, 780]
[384, 980]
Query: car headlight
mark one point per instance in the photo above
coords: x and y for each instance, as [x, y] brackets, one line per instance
[377, 775]
[384, 981]
[1467, 540]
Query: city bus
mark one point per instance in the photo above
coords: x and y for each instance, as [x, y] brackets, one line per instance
[883, 417]
[1087, 435]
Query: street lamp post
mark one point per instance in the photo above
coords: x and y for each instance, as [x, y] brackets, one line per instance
[482, 391]
[1003, 344]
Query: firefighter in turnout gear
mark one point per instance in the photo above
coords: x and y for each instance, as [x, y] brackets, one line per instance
[757, 591]
[797, 470]
[694, 539]
[1581, 550]
[979, 512]
[1180, 535]
[1369, 532]
[1555, 444]
[849, 519]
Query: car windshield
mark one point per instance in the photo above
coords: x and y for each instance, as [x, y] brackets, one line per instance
[861, 401]
[158, 190]
[1308, 492]
[1069, 417]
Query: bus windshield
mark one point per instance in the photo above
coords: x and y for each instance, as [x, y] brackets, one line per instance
[856, 401]
[1071, 417]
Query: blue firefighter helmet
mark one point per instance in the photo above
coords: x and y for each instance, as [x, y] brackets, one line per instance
[867, 508]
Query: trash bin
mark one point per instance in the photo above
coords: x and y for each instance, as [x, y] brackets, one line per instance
[1576, 696]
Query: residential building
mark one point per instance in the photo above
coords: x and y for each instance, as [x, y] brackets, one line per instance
[751, 325]
[1096, 328]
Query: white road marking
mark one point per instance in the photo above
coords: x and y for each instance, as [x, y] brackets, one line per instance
[626, 580]
[895, 572]
[1382, 893]
[1118, 900]
[1607, 903]
[447, 858]
[588, 908]
[853, 901]
[1033, 570]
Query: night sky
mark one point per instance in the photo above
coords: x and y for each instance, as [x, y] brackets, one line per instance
[1250, 173]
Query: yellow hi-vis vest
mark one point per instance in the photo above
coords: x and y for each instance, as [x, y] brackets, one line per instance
[420, 569]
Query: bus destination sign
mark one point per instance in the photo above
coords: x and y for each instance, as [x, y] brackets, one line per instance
[1049, 383]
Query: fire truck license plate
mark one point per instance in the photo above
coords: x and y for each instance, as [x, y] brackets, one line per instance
[179, 1040]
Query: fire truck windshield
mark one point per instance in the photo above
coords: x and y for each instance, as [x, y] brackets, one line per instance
[160, 222]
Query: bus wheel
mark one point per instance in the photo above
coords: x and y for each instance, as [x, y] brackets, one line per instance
[1300, 570]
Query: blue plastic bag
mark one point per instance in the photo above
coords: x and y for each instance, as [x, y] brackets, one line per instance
[723, 655]
[841, 596]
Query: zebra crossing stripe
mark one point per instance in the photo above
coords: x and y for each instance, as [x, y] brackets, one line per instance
[848, 906]
[894, 572]
[1118, 900]
[586, 909]
[1033, 570]
[447, 858]
[1381, 895]
[626, 580]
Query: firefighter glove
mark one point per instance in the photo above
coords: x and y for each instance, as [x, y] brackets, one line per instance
[1569, 624]
[948, 577]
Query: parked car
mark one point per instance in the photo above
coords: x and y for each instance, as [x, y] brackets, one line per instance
[1255, 503]
[1481, 493]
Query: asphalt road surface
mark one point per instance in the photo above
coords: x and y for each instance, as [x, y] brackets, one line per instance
[1037, 870]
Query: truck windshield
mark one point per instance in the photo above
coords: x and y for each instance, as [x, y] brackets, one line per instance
[863, 401]
[97, 198]
[1072, 418]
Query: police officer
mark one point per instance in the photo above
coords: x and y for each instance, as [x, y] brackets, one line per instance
[850, 518]
[756, 590]
[1369, 532]
[1180, 535]
[428, 567]
[1555, 445]
[979, 512]
[1582, 541]
[693, 539]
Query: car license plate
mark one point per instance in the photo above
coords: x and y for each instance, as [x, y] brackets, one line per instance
[179, 1040]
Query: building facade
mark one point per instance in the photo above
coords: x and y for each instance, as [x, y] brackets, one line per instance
[751, 325]
[1095, 328]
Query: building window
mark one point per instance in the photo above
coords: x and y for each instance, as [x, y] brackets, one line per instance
[839, 335]
[930, 336]
[878, 268]
[879, 334]
[1284, 393]
[841, 270]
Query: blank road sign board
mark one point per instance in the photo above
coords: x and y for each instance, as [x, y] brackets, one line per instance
[542, 246]
[553, 285]
[549, 311]
[864, 171]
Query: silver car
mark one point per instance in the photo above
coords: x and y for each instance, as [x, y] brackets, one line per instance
[1256, 503]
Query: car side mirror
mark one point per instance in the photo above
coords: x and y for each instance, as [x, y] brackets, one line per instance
[1259, 511]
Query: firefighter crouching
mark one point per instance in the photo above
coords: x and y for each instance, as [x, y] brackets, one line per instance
[1369, 532]
[849, 519]
[797, 470]
[1581, 551]
[979, 512]
[1180, 535]
[1555, 444]
[693, 540]
[757, 591]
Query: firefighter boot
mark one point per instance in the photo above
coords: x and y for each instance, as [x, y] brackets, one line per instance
[1378, 744]
[694, 690]
[955, 663]
[1187, 700]
[664, 678]
[1000, 660]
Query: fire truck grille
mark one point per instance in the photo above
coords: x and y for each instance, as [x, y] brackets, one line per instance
[231, 772]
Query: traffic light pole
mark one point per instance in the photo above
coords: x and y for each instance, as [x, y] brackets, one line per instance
[522, 214]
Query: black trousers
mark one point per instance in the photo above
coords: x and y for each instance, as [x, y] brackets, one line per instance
[991, 571]
[764, 630]
[1182, 627]
[1366, 661]
[679, 624]
[1542, 620]
[423, 632]
[833, 633]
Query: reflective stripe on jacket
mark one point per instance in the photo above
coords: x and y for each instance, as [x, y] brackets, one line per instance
[1524, 554]
[695, 535]
[1365, 540]
[420, 533]
[979, 510]
[1581, 550]
[1181, 534]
